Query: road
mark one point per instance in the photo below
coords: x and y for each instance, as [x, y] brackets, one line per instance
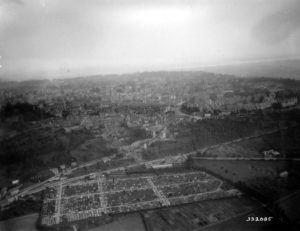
[122, 190]
[158, 193]
[246, 158]
[41, 186]
[48, 183]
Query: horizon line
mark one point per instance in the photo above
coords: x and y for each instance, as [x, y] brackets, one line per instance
[182, 68]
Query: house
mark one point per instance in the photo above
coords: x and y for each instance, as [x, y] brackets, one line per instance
[72, 128]
[271, 154]
[54, 170]
[15, 182]
[207, 115]
[62, 167]
[161, 166]
[289, 102]
[155, 130]
[11, 199]
[14, 191]
[74, 164]
[145, 146]
[234, 192]
[165, 133]
[106, 159]
[92, 176]
[225, 113]
[3, 191]
[284, 174]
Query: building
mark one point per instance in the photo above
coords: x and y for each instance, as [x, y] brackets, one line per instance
[15, 182]
[74, 164]
[106, 160]
[3, 191]
[62, 167]
[92, 176]
[207, 115]
[284, 174]
[161, 166]
[271, 154]
[165, 133]
[54, 170]
[14, 191]
[289, 102]
[225, 113]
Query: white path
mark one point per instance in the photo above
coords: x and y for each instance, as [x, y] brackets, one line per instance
[159, 194]
[58, 203]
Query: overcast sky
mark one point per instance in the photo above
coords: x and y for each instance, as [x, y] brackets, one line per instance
[52, 38]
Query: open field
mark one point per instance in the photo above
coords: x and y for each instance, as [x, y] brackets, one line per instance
[290, 207]
[239, 223]
[286, 142]
[262, 176]
[25, 223]
[242, 170]
[129, 222]
[92, 149]
[197, 215]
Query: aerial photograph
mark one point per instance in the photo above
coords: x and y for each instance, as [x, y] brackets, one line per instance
[149, 115]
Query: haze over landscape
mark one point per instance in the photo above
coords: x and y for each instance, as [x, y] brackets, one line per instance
[148, 115]
[58, 39]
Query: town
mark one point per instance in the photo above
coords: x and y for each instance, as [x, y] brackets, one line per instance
[92, 148]
[146, 115]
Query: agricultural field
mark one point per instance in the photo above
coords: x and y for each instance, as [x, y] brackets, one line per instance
[128, 222]
[197, 215]
[262, 176]
[240, 223]
[24, 223]
[286, 142]
[111, 195]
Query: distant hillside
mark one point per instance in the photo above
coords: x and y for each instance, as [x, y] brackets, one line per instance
[278, 69]
[93, 79]
[273, 69]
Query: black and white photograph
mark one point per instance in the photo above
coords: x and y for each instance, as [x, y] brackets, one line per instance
[149, 115]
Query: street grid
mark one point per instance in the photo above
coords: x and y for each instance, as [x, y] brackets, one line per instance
[110, 195]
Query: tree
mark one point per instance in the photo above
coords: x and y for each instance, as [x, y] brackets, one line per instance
[276, 106]
[261, 99]
[213, 96]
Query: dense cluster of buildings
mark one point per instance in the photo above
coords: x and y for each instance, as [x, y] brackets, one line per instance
[129, 114]
[147, 96]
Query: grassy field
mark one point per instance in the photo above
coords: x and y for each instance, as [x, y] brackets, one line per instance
[236, 171]
[260, 176]
[291, 207]
[25, 223]
[193, 136]
[239, 223]
[197, 215]
[92, 149]
[130, 222]
[287, 142]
